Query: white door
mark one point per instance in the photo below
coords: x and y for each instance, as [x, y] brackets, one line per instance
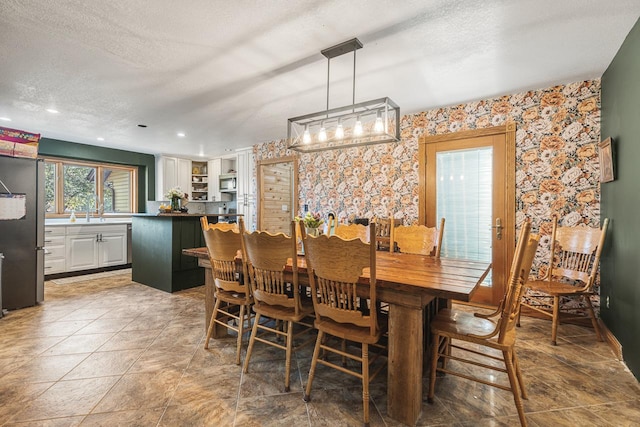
[169, 173]
[214, 168]
[245, 196]
[113, 249]
[183, 176]
[82, 252]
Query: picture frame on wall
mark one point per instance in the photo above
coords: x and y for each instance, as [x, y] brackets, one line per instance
[606, 161]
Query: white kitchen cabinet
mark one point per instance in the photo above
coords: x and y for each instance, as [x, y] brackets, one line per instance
[215, 169]
[172, 172]
[82, 251]
[184, 176]
[245, 190]
[54, 250]
[95, 246]
[112, 248]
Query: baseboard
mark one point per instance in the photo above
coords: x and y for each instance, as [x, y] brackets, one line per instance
[83, 272]
[610, 339]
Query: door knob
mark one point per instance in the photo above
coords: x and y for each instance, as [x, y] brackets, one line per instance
[498, 228]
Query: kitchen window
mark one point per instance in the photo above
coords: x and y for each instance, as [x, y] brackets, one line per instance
[88, 186]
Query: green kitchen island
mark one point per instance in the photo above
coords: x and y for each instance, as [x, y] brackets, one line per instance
[157, 241]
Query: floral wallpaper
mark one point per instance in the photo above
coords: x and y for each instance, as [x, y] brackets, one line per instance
[557, 169]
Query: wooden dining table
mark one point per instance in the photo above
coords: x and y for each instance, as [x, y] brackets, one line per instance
[415, 287]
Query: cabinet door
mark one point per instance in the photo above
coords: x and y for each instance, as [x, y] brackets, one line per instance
[169, 175]
[246, 196]
[82, 252]
[113, 249]
[184, 176]
[214, 168]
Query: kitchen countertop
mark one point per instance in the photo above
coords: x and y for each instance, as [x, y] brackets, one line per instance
[187, 214]
[59, 222]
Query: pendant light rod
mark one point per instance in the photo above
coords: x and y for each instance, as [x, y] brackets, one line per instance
[328, 74]
[338, 50]
[353, 101]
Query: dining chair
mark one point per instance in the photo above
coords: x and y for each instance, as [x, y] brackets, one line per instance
[334, 266]
[224, 226]
[383, 232]
[232, 295]
[275, 295]
[484, 334]
[571, 273]
[417, 239]
[352, 231]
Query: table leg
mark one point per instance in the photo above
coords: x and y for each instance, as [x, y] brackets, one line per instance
[404, 387]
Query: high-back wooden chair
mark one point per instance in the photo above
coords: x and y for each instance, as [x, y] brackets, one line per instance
[335, 266]
[232, 295]
[352, 231]
[452, 328]
[417, 239]
[383, 232]
[224, 226]
[275, 295]
[571, 273]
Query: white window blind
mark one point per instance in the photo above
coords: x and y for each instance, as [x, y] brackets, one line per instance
[464, 191]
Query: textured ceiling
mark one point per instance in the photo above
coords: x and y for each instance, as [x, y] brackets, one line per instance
[229, 73]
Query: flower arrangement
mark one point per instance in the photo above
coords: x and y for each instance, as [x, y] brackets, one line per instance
[311, 220]
[175, 193]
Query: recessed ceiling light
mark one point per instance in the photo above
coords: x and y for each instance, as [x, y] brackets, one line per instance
[5, 119]
[228, 149]
[181, 134]
[52, 111]
[100, 138]
[142, 126]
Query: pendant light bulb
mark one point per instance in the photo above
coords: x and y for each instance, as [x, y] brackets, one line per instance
[357, 128]
[306, 136]
[322, 135]
[379, 126]
[339, 130]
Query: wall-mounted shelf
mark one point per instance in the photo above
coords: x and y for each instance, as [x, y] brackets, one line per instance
[199, 181]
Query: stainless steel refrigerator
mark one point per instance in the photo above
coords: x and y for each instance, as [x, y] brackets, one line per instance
[22, 240]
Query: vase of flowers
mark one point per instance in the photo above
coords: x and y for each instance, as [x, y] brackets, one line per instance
[312, 223]
[175, 194]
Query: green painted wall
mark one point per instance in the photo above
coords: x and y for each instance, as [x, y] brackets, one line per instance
[145, 162]
[620, 200]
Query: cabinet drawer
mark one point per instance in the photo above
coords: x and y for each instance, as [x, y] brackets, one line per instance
[54, 231]
[52, 266]
[56, 251]
[53, 240]
[96, 229]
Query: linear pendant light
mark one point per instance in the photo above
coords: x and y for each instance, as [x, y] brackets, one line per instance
[365, 123]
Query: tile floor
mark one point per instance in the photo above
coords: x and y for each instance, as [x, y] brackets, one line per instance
[109, 352]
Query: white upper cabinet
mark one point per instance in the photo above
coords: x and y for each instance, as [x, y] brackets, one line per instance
[172, 172]
[215, 168]
[246, 196]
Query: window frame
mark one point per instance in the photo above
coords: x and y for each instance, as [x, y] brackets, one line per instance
[99, 166]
